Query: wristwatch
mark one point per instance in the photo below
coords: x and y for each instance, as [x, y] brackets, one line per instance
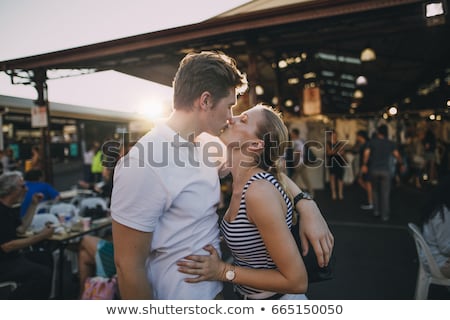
[230, 274]
[302, 195]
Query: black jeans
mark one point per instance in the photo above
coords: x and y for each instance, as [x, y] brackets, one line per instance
[381, 191]
[33, 273]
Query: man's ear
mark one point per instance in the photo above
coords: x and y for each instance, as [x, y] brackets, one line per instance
[256, 146]
[205, 101]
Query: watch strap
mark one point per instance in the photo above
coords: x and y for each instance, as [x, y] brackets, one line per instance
[300, 196]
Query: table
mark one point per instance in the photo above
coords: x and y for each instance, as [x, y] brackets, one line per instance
[69, 194]
[62, 241]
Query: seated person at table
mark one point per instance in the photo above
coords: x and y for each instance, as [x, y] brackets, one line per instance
[102, 188]
[105, 186]
[95, 258]
[34, 183]
[436, 224]
[31, 270]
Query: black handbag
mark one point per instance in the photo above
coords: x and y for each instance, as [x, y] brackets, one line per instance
[315, 273]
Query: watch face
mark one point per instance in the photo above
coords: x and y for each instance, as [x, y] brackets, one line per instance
[307, 196]
[230, 275]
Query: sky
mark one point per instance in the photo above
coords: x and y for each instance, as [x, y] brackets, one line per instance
[30, 27]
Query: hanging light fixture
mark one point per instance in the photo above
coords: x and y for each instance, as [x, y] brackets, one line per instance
[434, 8]
[435, 12]
[368, 54]
[393, 111]
[288, 103]
[361, 81]
[275, 101]
[358, 94]
[259, 90]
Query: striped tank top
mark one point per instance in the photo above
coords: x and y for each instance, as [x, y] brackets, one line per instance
[243, 237]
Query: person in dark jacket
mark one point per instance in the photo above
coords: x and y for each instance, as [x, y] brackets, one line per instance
[31, 270]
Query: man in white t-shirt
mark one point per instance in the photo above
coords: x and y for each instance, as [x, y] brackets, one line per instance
[166, 189]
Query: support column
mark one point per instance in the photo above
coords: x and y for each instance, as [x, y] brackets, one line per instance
[279, 93]
[252, 76]
[252, 72]
[40, 84]
[2, 146]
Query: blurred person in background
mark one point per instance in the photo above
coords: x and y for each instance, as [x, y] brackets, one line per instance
[96, 166]
[112, 151]
[8, 161]
[36, 159]
[377, 162]
[288, 158]
[95, 258]
[31, 270]
[429, 146]
[300, 167]
[34, 183]
[88, 156]
[335, 162]
[363, 178]
[436, 224]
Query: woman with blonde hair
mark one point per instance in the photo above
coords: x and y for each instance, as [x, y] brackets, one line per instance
[256, 226]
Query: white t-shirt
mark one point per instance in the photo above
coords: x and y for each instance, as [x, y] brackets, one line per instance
[5, 163]
[88, 156]
[173, 192]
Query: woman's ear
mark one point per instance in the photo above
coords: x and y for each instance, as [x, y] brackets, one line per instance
[256, 146]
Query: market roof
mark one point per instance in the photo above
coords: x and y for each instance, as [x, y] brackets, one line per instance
[23, 105]
[316, 42]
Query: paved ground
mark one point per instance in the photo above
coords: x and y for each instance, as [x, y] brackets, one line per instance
[375, 260]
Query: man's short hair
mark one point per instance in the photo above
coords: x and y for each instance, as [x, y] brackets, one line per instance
[383, 130]
[363, 133]
[8, 182]
[209, 71]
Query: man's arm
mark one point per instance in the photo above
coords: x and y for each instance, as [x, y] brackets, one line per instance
[399, 159]
[313, 227]
[21, 243]
[131, 249]
[28, 217]
[366, 155]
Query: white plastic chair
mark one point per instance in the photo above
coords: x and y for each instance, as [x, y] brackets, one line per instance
[39, 221]
[80, 195]
[44, 207]
[9, 286]
[92, 203]
[64, 208]
[428, 273]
